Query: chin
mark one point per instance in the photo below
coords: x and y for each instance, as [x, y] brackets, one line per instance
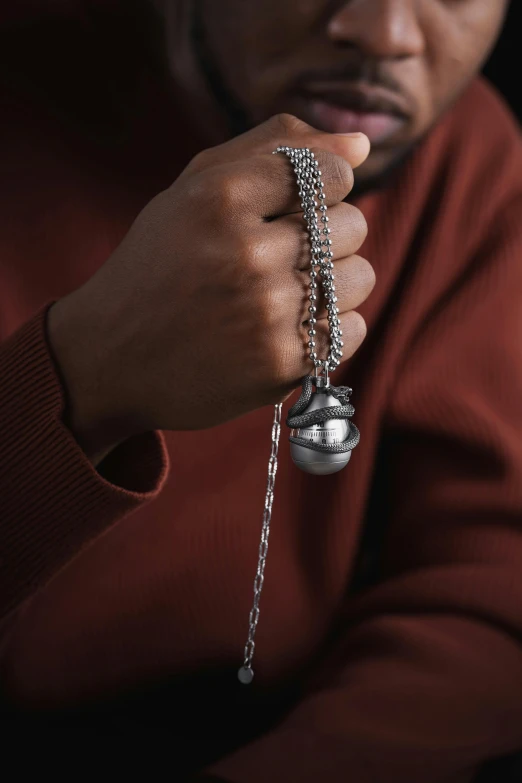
[379, 170]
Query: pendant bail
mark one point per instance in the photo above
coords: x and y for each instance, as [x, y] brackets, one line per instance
[322, 436]
[325, 378]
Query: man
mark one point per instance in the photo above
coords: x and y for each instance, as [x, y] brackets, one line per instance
[154, 309]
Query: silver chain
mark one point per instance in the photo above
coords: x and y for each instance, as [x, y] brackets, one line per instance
[246, 673]
[308, 175]
[310, 186]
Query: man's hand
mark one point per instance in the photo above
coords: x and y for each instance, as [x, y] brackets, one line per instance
[200, 315]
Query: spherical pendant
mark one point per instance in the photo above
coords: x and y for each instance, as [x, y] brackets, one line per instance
[322, 446]
[328, 432]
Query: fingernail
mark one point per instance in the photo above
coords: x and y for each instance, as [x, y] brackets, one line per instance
[352, 135]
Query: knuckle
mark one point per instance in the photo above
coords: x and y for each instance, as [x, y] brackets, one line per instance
[276, 302]
[256, 266]
[285, 356]
[158, 209]
[257, 282]
[365, 274]
[358, 225]
[248, 257]
[228, 189]
[201, 160]
[196, 189]
[348, 218]
[337, 172]
[354, 328]
[283, 346]
[287, 124]
[220, 191]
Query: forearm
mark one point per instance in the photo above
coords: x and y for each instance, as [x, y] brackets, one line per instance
[53, 500]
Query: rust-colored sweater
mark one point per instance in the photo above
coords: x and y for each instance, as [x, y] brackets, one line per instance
[125, 592]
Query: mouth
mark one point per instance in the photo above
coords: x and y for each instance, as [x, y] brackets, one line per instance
[338, 108]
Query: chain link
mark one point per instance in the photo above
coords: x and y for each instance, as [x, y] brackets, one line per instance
[310, 187]
[311, 191]
[246, 674]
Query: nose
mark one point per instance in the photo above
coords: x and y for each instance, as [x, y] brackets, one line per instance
[381, 29]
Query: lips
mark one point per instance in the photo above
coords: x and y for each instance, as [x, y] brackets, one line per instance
[347, 109]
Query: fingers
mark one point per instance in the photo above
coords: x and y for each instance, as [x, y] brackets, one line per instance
[283, 250]
[353, 327]
[348, 230]
[245, 178]
[283, 198]
[354, 282]
[285, 130]
[265, 188]
[296, 352]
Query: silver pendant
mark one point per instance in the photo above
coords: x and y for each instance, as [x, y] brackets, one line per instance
[322, 436]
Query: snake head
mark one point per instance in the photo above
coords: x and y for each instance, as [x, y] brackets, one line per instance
[341, 393]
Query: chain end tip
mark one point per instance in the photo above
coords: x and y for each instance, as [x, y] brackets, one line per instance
[245, 675]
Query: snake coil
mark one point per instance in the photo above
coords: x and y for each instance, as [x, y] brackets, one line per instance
[296, 419]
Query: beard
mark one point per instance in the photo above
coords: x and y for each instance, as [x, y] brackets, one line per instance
[237, 118]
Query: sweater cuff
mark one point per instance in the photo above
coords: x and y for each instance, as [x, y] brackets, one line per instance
[53, 499]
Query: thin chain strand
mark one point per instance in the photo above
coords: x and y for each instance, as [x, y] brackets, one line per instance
[310, 187]
[246, 674]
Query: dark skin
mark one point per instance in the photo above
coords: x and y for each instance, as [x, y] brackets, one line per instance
[419, 53]
[224, 244]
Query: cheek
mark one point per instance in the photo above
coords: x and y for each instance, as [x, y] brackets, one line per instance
[257, 44]
[248, 35]
[460, 35]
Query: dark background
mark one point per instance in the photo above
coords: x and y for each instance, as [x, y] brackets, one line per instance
[503, 68]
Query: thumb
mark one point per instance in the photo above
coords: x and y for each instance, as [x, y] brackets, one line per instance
[353, 147]
[287, 131]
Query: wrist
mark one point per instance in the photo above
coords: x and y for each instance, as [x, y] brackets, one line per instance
[82, 359]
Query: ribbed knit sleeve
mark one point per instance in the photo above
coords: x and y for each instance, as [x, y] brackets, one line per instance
[424, 682]
[52, 500]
